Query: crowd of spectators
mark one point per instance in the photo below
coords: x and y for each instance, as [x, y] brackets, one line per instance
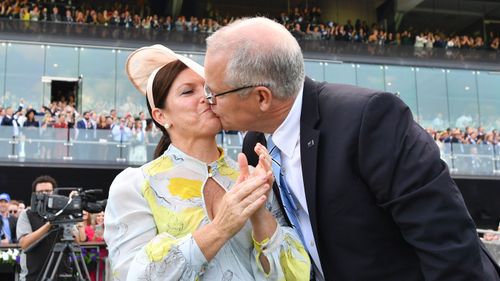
[29, 124]
[63, 114]
[305, 24]
[468, 135]
[471, 150]
[137, 127]
[308, 24]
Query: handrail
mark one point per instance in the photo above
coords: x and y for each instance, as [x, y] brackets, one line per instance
[101, 147]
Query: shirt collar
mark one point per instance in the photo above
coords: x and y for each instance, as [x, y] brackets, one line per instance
[288, 133]
[180, 156]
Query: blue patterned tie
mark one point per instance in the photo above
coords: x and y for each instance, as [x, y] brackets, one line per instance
[288, 199]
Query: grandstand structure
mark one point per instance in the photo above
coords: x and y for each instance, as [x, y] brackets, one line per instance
[444, 87]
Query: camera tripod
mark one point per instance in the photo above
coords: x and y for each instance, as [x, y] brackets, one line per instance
[66, 247]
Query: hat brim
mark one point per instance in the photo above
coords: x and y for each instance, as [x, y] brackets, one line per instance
[142, 62]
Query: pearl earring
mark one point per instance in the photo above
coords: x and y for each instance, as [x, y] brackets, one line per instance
[167, 126]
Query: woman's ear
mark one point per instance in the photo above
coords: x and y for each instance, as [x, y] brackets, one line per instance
[160, 116]
[265, 97]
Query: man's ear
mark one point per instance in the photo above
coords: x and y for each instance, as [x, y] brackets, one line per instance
[160, 116]
[265, 98]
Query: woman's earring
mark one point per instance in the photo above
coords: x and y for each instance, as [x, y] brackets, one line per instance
[167, 126]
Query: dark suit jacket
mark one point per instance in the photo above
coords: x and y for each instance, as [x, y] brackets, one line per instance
[81, 125]
[382, 203]
[55, 17]
[12, 225]
[6, 121]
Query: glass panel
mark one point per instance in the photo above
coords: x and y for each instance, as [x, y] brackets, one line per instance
[61, 61]
[462, 98]
[7, 147]
[431, 97]
[97, 66]
[104, 149]
[128, 98]
[152, 139]
[231, 141]
[30, 142]
[343, 73]
[314, 70]
[401, 80]
[445, 149]
[93, 146]
[48, 148]
[48, 145]
[47, 87]
[473, 159]
[370, 76]
[3, 50]
[138, 153]
[489, 99]
[24, 70]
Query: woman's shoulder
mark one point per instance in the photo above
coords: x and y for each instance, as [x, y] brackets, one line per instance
[136, 175]
[159, 165]
[128, 180]
[129, 173]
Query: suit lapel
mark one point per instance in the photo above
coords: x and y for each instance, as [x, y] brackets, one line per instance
[309, 142]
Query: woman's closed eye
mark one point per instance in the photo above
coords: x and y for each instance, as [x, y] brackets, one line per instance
[186, 91]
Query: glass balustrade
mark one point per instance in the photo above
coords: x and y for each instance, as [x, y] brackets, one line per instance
[88, 147]
[439, 98]
[123, 148]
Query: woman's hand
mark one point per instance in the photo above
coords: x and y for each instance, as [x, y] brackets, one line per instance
[236, 207]
[265, 163]
[263, 169]
[262, 220]
[240, 203]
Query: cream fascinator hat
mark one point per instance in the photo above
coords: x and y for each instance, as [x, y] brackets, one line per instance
[143, 64]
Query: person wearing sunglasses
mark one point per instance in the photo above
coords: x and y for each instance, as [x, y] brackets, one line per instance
[8, 221]
[361, 182]
[14, 208]
[193, 213]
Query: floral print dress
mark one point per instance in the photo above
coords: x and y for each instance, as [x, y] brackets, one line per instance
[153, 210]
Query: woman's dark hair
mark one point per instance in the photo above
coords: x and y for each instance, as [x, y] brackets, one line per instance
[31, 119]
[161, 85]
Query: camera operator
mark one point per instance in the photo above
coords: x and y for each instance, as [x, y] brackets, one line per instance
[31, 232]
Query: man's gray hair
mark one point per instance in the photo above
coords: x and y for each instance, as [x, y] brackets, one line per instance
[277, 63]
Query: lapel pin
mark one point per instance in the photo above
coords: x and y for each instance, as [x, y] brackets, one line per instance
[310, 143]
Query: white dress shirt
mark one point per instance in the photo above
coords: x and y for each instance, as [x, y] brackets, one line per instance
[287, 139]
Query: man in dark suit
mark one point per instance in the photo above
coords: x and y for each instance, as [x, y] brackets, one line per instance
[85, 132]
[8, 118]
[55, 17]
[371, 198]
[7, 222]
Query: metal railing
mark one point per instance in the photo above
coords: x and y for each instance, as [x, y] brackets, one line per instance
[471, 159]
[124, 148]
[68, 146]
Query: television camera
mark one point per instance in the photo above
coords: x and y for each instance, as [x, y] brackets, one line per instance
[60, 209]
[64, 212]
